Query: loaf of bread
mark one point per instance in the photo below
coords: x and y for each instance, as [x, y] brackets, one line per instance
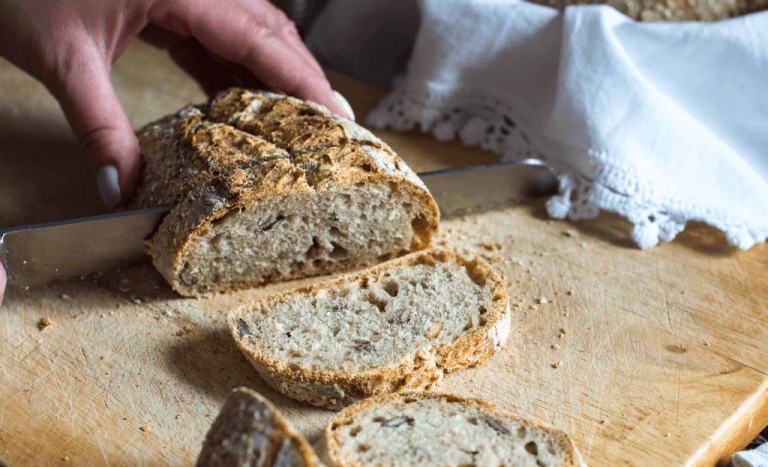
[429, 429]
[671, 10]
[398, 326]
[267, 187]
[250, 432]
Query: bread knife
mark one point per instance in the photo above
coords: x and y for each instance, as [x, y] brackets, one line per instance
[36, 254]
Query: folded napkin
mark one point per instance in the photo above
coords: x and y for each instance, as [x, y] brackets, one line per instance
[660, 122]
[753, 458]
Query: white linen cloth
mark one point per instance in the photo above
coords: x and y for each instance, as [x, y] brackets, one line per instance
[660, 122]
[755, 458]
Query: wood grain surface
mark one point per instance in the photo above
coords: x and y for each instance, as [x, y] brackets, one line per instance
[646, 358]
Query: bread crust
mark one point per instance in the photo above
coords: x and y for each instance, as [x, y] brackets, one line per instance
[671, 10]
[421, 369]
[249, 430]
[333, 447]
[247, 147]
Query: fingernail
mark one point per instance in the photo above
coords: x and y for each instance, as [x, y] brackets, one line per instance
[339, 99]
[109, 188]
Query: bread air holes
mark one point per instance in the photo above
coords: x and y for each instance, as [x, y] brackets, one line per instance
[268, 226]
[532, 448]
[314, 250]
[376, 301]
[363, 447]
[391, 288]
[338, 251]
[355, 430]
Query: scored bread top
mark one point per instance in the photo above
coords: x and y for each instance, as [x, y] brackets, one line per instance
[256, 143]
[398, 326]
[246, 147]
[418, 429]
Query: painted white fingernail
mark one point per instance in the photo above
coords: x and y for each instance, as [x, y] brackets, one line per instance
[109, 188]
[339, 99]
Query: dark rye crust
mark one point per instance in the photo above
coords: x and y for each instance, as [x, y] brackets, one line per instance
[210, 160]
[249, 428]
[333, 448]
[335, 389]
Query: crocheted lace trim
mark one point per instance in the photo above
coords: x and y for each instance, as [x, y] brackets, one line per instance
[494, 125]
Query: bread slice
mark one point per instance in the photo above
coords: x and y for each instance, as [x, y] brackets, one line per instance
[267, 187]
[430, 429]
[250, 432]
[399, 326]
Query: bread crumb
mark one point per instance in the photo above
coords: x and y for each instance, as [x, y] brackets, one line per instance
[668, 435]
[542, 300]
[185, 332]
[556, 365]
[564, 331]
[145, 428]
[492, 246]
[179, 416]
[555, 347]
[45, 323]
[603, 422]
[571, 233]
[64, 296]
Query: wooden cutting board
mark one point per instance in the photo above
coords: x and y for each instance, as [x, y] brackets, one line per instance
[647, 358]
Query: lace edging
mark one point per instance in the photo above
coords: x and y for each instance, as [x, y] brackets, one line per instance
[498, 128]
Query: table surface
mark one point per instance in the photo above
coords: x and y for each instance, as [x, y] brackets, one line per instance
[660, 353]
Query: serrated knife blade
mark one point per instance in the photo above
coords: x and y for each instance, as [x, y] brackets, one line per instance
[36, 254]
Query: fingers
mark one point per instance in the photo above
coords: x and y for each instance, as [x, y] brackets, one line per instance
[81, 85]
[255, 34]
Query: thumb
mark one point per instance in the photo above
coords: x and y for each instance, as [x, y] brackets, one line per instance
[89, 102]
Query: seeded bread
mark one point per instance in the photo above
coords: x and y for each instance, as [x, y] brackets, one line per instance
[267, 187]
[672, 10]
[396, 327]
[430, 429]
[250, 432]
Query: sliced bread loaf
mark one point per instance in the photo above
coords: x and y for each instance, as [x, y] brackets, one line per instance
[267, 187]
[429, 429]
[399, 326]
[250, 432]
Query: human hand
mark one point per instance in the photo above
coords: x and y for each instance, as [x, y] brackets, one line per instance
[70, 45]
